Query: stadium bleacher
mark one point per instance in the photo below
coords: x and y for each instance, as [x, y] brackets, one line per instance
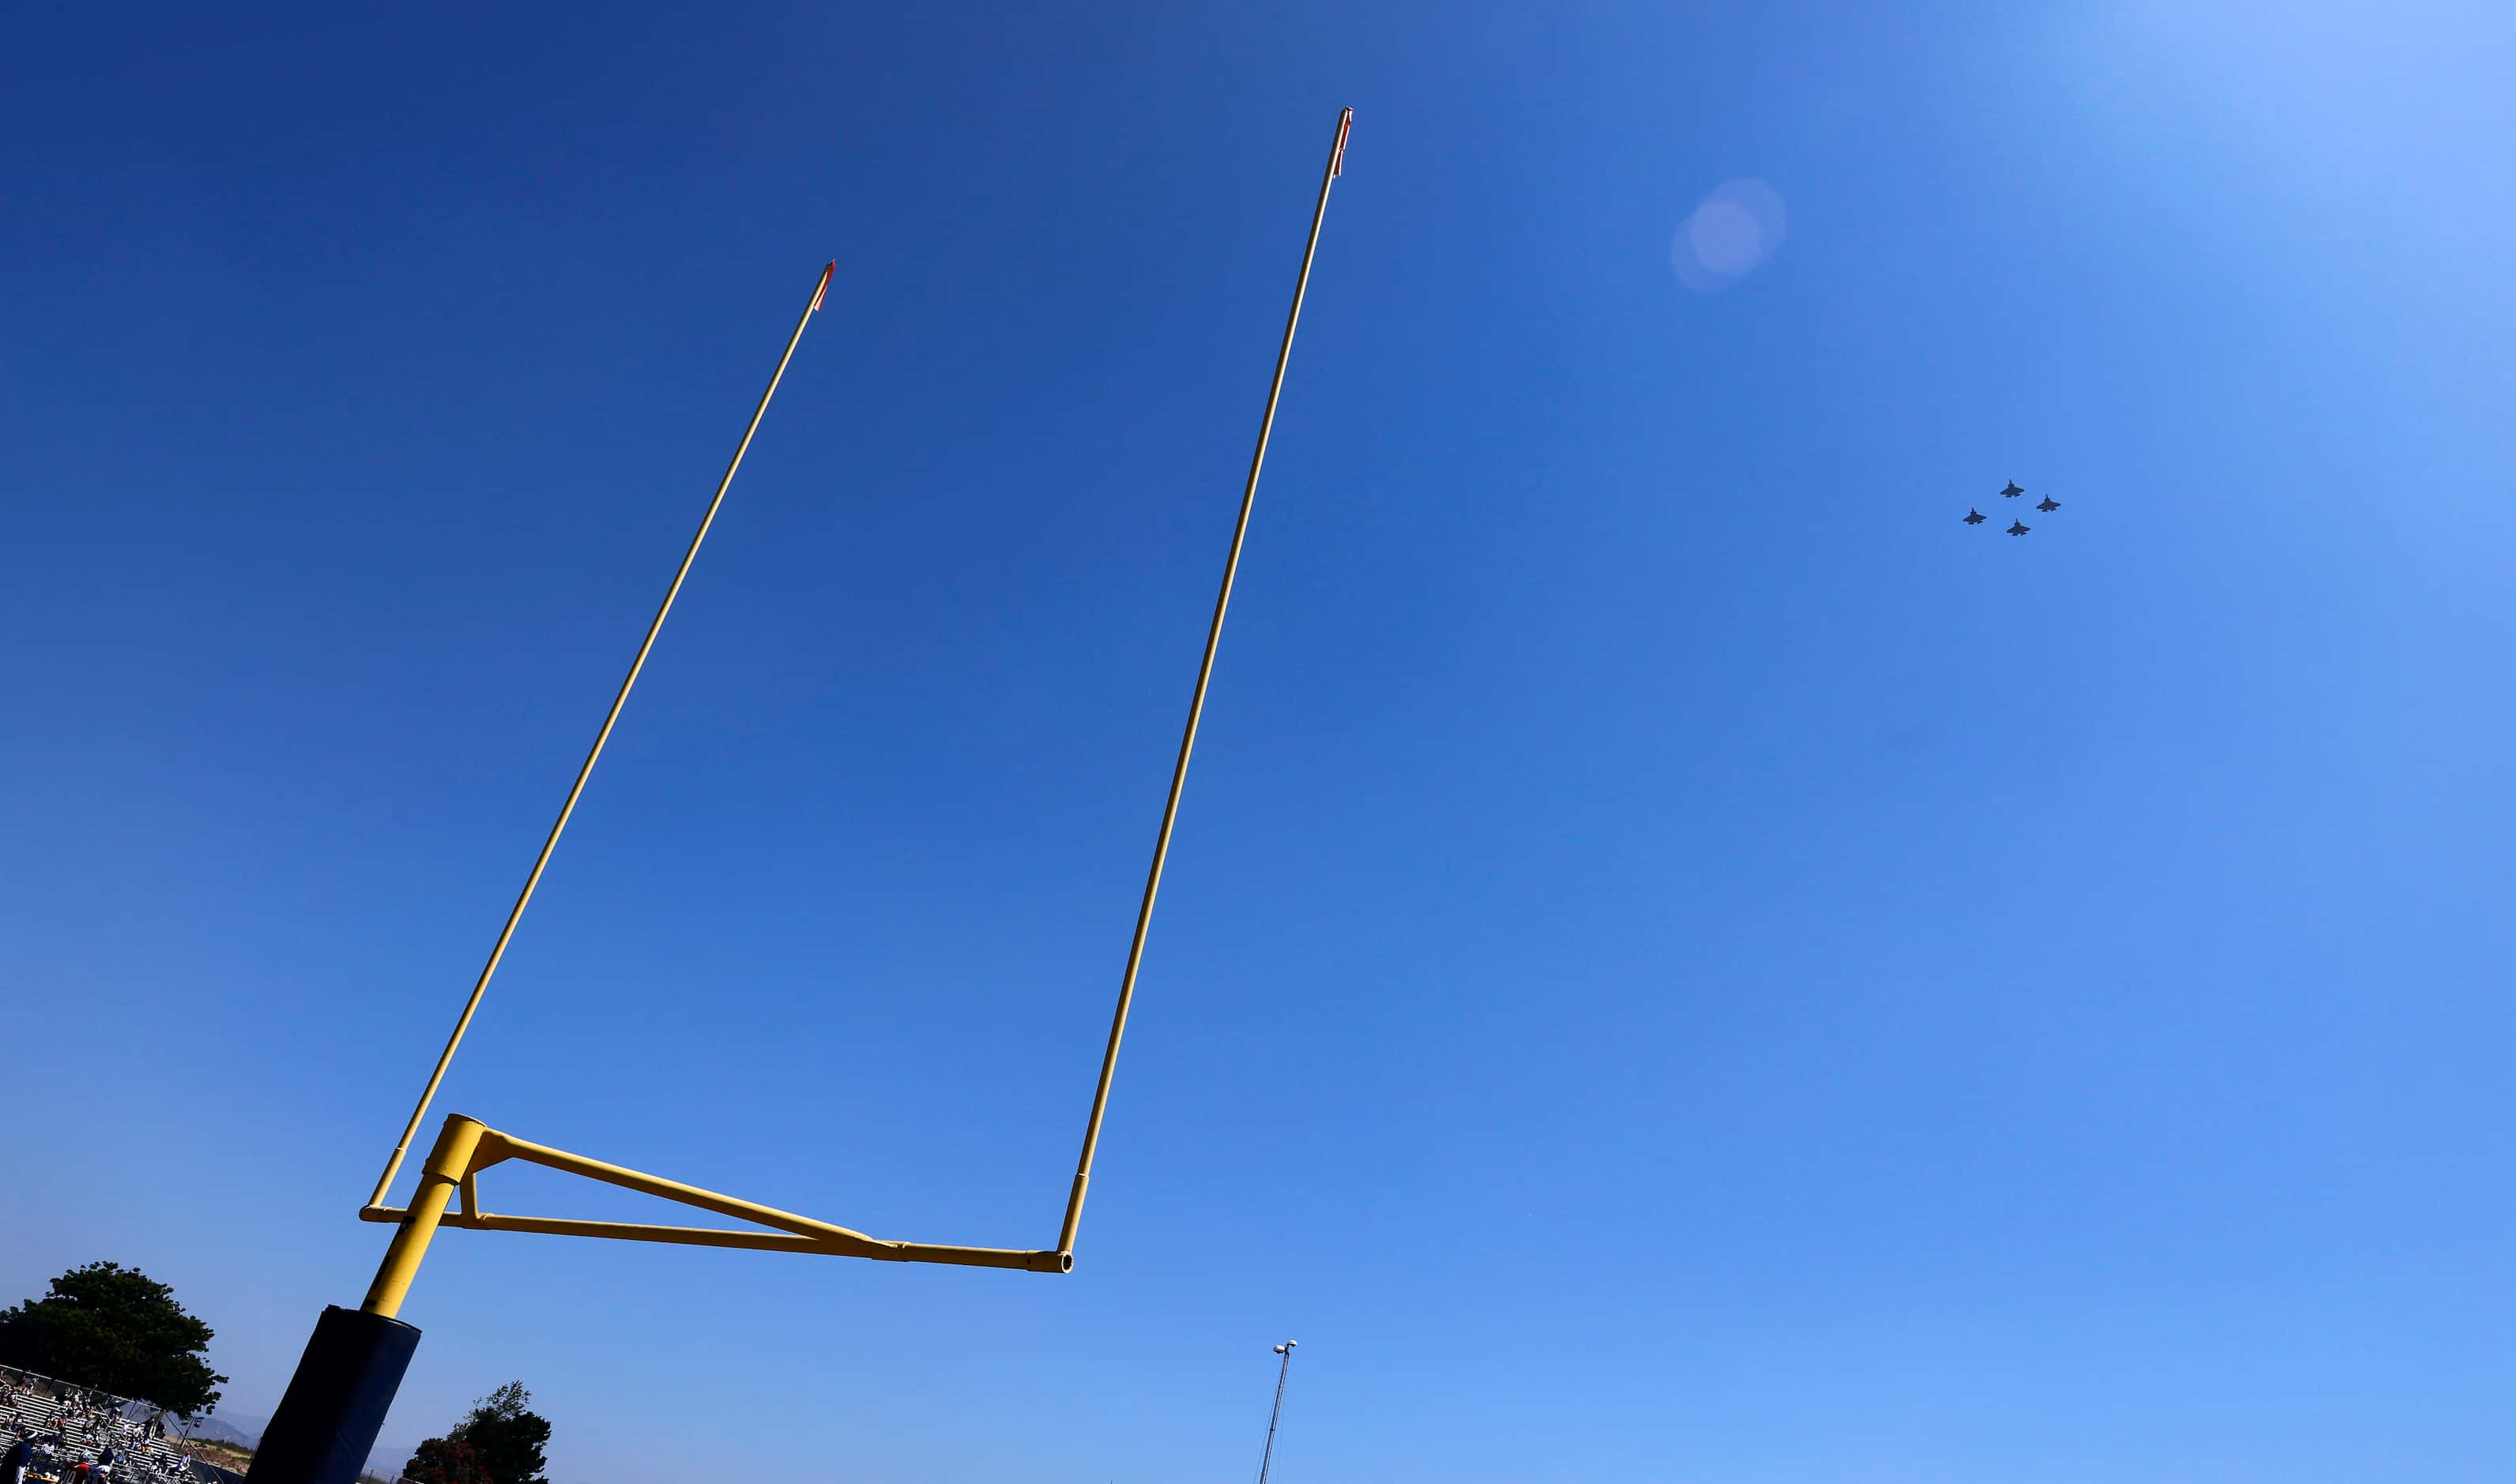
[86, 1421]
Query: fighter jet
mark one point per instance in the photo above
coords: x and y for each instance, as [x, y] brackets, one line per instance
[2013, 491]
[2048, 503]
[1974, 517]
[2018, 527]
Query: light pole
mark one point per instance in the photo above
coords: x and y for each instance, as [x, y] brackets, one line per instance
[1268, 1456]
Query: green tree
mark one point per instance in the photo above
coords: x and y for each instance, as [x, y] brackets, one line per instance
[117, 1330]
[443, 1461]
[499, 1442]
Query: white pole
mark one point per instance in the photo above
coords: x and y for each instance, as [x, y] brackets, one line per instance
[1268, 1456]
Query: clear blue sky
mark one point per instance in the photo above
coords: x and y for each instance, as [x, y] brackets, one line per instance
[1681, 959]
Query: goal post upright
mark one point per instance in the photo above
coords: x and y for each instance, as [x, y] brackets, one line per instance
[1197, 705]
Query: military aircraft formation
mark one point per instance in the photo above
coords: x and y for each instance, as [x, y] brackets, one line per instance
[2011, 491]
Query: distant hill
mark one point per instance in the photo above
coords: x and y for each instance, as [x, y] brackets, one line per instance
[386, 1462]
[243, 1431]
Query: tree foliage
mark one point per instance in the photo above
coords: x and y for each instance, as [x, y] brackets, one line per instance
[499, 1442]
[443, 1461]
[117, 1330]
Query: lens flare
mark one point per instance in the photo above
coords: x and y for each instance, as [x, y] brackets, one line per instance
[1727, 235]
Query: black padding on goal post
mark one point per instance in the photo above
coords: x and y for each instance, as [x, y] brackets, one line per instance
[336, 1403]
